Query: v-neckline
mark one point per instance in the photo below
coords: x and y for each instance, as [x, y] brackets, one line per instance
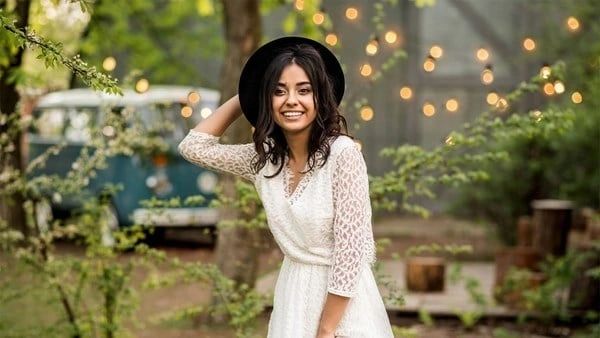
[292, 195]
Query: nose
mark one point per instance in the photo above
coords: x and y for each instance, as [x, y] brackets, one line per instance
[291, 100]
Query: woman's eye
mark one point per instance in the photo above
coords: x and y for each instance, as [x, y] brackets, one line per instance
[304, 91]
[279, 92]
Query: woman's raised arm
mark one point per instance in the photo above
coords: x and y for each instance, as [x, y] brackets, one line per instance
[221, 119]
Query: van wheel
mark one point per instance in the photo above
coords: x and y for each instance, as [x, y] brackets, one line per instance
[109, 225]
[43, 216]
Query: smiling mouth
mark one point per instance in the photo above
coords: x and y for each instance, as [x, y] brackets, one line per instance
[292, 114]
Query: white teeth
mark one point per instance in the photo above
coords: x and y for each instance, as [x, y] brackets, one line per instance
[292, 113]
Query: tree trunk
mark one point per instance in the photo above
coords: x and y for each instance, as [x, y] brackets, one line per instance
[237, 249]
[11, 207]
[425, 274]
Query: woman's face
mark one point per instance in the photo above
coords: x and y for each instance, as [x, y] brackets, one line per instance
[293, 101]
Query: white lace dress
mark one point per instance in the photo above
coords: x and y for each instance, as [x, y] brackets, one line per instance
[323, 228]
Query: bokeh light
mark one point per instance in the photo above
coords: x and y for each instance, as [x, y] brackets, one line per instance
[492, 98]
[482, 54]
[452, 105]
[186, 111]
[548, 89]
[559, 87]
[487, 75]
[372, 47]
[205, 112]
[142, 85]
[573, 24]
[193, 97]
[429, 64]
[529, 44]
[318, 18]
[366, 113]
[366, 70]
[545, 72]
[428, 109]
[391, 37]
[436, 51]
[576, 97]
[331, 39]
[109, 64]
[351, 13]
[406, 93]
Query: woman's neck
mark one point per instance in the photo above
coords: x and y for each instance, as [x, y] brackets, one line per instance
[298, 147]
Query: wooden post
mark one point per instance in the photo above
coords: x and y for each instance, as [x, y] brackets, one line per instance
[518, 257]
[551, 224]
[425, 274]
[524, 232]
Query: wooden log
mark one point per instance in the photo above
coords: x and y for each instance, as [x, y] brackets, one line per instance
[551, 224]
[518, 257]
[524, 231]
[425, 274]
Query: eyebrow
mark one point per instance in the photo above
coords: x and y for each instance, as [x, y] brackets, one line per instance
[281, 84]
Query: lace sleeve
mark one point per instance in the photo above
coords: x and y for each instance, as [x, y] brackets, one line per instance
[205, 150]
[352, 231]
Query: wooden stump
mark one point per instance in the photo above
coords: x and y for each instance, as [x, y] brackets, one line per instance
[425, 274]
[524, 231]
[551, 223]
[519, 257]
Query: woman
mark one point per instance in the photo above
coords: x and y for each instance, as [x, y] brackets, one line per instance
[313, 183]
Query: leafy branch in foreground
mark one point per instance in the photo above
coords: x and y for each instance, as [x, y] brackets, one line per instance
[52, 54]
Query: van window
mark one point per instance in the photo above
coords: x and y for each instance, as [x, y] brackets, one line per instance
[74, 124]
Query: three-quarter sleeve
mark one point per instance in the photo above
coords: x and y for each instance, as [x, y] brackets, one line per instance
[352, 231]
[205, 150]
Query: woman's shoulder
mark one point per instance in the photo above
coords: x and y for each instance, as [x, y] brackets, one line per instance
[341, 142]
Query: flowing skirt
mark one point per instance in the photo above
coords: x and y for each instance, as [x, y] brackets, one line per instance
[300, 295]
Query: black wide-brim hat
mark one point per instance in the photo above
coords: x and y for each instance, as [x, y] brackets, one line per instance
[254, 69]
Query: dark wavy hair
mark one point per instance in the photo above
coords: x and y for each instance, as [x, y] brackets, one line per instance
[327, 124]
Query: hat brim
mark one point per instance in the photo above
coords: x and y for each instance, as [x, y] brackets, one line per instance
[252, 73]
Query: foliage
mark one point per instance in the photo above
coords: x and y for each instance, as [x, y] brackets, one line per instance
[548, 301]
[469, 317]
[551, 165]
[53, 55]
[463, 157]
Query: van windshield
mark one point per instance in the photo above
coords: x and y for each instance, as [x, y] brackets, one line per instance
[75, 124]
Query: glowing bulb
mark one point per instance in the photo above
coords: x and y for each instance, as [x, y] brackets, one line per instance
[358, 145]
[436, 51]
[487, 76]
[331, 39]
[545, 72]
[428, 109]
[576, 97]
[109, 64]
[482, 54]
[205, 112]
[573, 24]
[559, 87]
[502, 104]
[299, 4]
[142, 85]
[186, 111]
[452, 105]
[391, 37]
[372, 47]
[529, 44]
[366, 113]
[193, 97]
[406, 93]
[492, 98]
[429, 64]
[318, 18]
[548, 89]
[366, 70]
[351, 13]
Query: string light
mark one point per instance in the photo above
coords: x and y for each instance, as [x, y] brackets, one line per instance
[186, 111]
[545, 72]
[576, 97]
[193, 97]
[299, 4]
[205, 112]
[436, 51]
[529, 44]
[482, 54]
[109, 64]
[318, 18]
[487, 75]
[142, 85]
[406, 93]
[391, 37]
[452, 105]
[429, 64]
[573, 24]
[366, 70]
[502, 104]
[428, 109]
[351, 13]
[559, 87]
[331, 39]
[372, 47]
[548, 89]
[492, 98]
[366, 113]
